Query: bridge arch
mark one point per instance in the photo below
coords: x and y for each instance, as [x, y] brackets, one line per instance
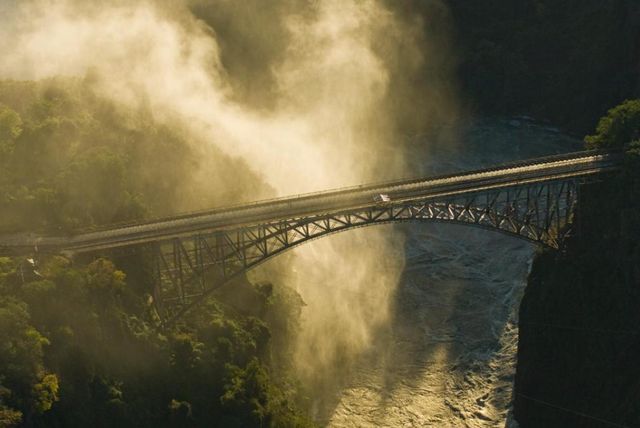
[190, 268]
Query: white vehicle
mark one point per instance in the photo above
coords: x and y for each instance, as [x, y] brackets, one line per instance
[381, 199]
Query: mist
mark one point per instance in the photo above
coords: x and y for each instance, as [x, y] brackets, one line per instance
[311, 95]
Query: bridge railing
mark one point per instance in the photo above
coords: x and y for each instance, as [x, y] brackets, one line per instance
[349, 189]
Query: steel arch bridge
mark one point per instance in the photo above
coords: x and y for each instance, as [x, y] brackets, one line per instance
[197, 253]
[186, 268]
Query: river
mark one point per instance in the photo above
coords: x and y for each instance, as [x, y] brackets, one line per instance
[447, 357]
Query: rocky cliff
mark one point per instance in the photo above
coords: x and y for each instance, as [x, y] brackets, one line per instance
[579, 345]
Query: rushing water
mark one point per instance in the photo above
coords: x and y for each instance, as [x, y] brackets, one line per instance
[447, 358]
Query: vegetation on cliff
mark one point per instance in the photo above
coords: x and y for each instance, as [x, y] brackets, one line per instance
[77, 347]
[71, 159]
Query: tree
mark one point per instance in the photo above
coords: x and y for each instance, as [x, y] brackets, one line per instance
[10, 129]
[618, 128]
[26, 385]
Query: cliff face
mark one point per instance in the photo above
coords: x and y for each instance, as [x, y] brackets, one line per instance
[579, 345]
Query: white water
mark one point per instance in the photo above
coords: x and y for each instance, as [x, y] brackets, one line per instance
[447, 358]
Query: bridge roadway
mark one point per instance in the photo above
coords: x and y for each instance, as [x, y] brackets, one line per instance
[552, 168]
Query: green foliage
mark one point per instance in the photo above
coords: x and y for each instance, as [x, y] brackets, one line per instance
[9, 417]
[618, 128]
[10, 129]
[72, 354]
[27, 388]
[249, 394]
[633, 150]
[45, 393]
[70, 159]
[77, 343]
[180, 414]
[246, 394]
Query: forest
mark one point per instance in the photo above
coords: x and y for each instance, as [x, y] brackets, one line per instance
[79, 346]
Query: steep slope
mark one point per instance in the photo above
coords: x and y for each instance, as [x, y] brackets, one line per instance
[579, 337]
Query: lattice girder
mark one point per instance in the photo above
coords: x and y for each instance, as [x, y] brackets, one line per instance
[187, 269]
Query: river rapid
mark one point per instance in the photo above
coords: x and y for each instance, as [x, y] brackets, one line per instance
[447, 357]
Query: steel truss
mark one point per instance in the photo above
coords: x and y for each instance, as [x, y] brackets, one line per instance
[187, 269]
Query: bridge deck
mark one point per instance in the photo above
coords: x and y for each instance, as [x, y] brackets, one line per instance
[532, 171]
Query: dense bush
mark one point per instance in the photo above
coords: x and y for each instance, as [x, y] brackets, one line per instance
[619, 128]
[71, 159]
[77, 342]
[77, 351]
